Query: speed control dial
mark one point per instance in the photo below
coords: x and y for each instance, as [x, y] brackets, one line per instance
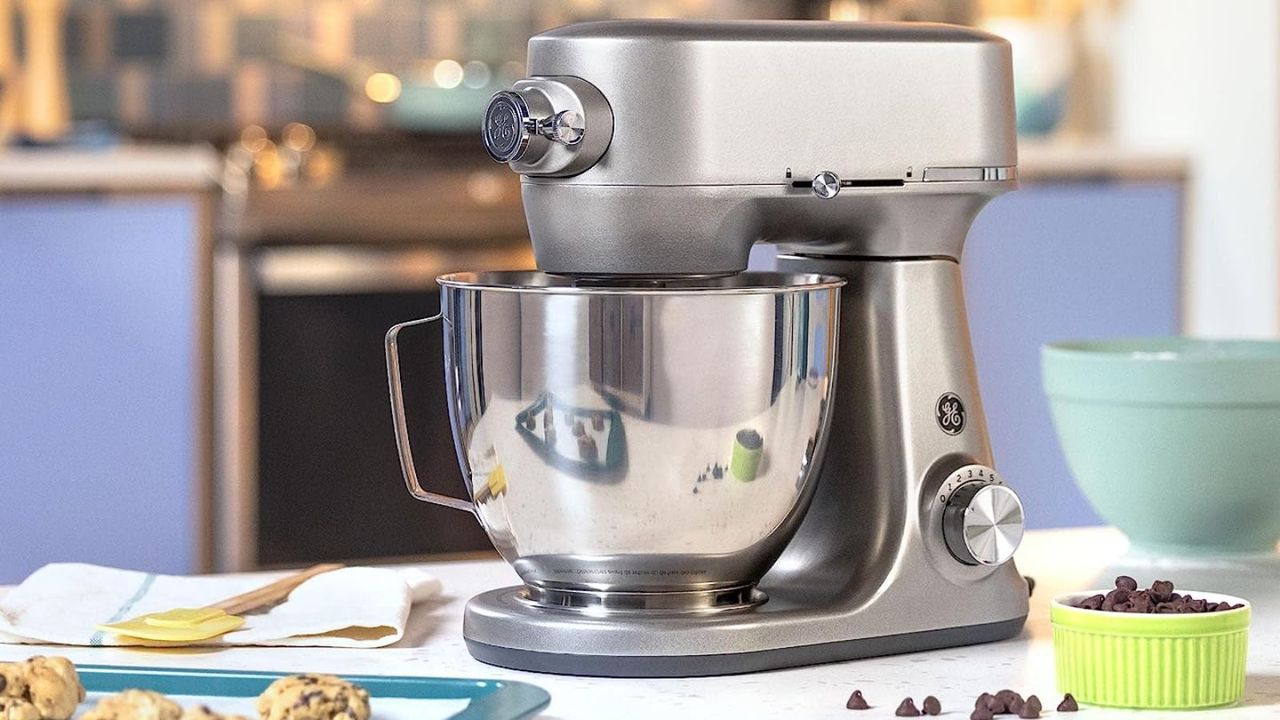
[982, 523]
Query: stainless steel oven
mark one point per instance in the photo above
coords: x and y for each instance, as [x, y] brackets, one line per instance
[306, 465]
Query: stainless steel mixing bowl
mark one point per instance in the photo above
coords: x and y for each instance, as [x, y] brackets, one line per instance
[644, 446]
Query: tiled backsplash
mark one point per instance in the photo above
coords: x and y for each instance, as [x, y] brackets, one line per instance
[221, 64]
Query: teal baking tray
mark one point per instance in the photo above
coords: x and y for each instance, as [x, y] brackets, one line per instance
[486, 699]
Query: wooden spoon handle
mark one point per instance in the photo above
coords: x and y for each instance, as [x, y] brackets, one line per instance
[274, 592]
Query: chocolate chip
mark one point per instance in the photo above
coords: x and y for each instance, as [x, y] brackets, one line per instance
[1015, 705]
[907, 708]
[1124, 582]
[1031, 709]
[981, 700]
[717, 472]
[1161, 590]
[996, 705]
[1141, 603]
[1007, 697]
[1068, 704]
[931, 706]
[981, 713]
[1113, 598]
[1093, 602]
[856, 701]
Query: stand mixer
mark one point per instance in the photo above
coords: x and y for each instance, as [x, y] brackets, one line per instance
[654, 154]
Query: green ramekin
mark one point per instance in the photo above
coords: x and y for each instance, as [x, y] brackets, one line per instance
[1150, 661]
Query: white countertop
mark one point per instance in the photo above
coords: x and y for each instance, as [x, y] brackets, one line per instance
[150, 168]
[1060, 561]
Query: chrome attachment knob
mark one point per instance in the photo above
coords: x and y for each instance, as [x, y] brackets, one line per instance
[539, 126]
[508, 126]
[983, 523]
[565, 127]
[826, 184]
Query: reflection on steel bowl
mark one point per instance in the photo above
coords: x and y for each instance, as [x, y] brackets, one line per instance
[663, 378]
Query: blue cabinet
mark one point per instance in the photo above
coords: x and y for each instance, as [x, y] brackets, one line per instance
[1055, 262]
[99, 382]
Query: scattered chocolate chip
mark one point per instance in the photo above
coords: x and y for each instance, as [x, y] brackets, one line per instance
[717, 472]
[1068, 704]
[981, 713]
[1124, 582]
[981, 700]
[996, 705]
[1007, 697]
[1015, 705]
[907, 708]
[856, 701]
[1032, 708]
[931, 706]
[695, 489]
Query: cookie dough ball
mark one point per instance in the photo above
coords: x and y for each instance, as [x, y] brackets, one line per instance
[135, 705]
[53, 686]
[203, 712]
[13, 680]
[313, 697]
[12, 708]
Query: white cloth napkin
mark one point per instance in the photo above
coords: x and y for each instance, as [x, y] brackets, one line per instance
[353, 607]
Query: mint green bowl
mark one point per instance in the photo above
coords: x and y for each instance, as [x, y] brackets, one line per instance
[1155, 661]
[1175, 441]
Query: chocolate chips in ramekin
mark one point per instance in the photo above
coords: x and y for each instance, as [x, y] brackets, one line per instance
[1159, 598]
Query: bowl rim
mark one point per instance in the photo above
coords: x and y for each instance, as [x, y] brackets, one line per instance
[1063, 614]
[1166, 349]
[749, 282]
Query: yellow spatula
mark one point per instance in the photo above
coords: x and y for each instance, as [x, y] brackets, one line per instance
[192, 624]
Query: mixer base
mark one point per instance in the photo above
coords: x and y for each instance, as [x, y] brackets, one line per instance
[504, 631]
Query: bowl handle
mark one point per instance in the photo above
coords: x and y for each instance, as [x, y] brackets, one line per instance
[402, 428]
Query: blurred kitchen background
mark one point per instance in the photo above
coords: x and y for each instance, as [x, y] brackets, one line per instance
[211, 210]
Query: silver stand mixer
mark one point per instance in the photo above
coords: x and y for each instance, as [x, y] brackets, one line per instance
[654, 154]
